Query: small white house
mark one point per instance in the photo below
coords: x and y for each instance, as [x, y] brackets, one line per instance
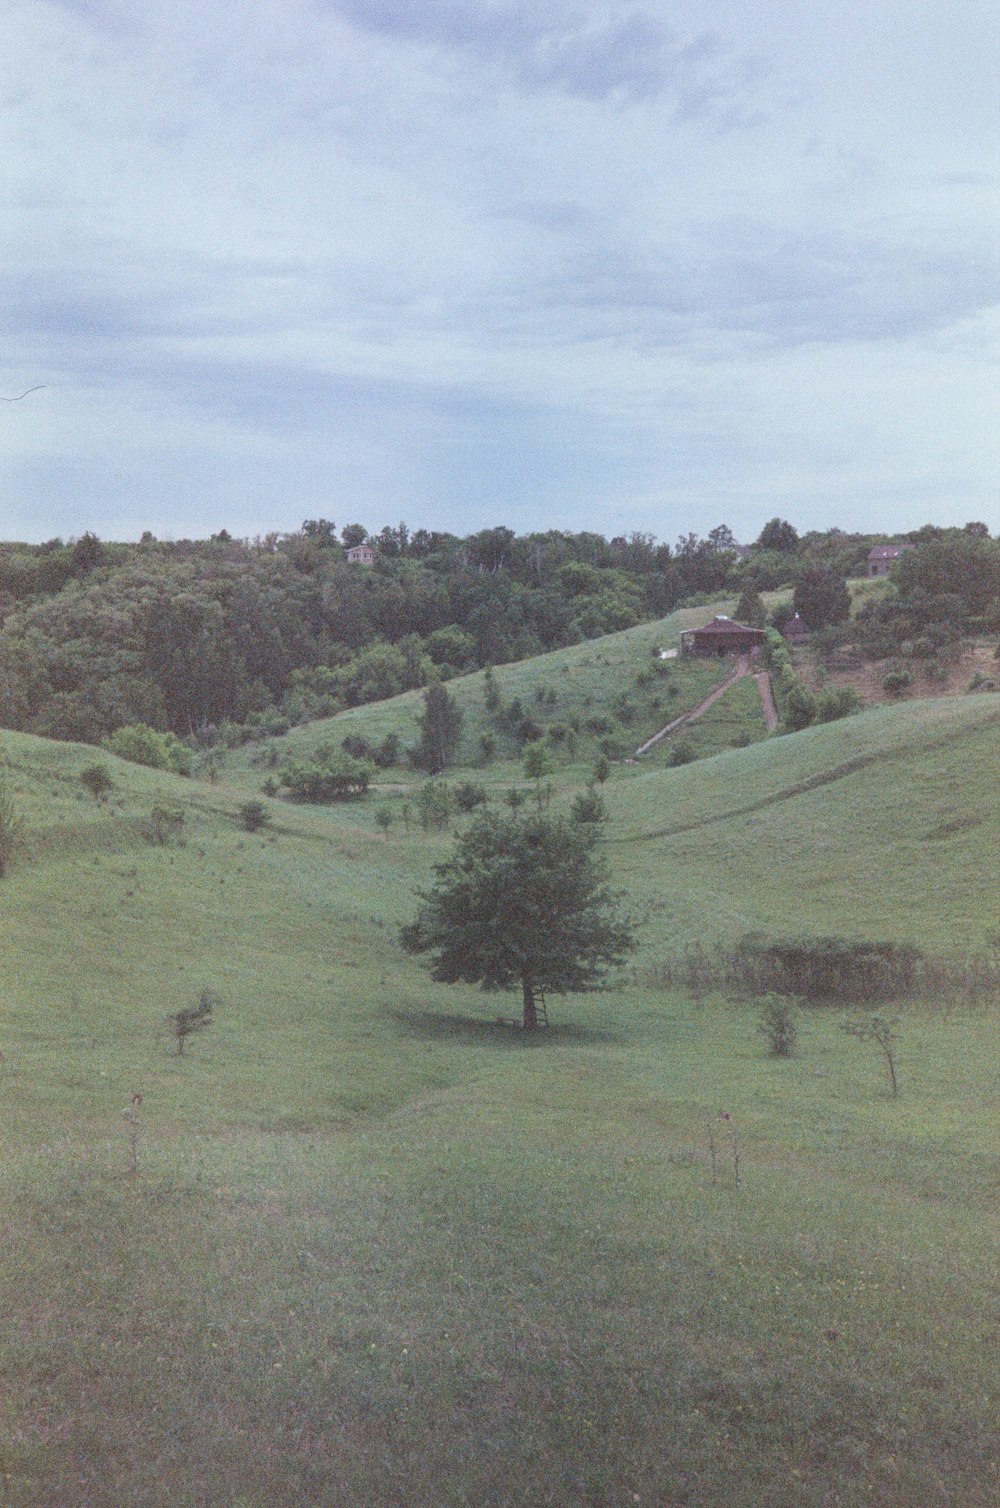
[361, 555]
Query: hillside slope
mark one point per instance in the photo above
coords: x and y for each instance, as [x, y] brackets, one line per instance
[378, 1250]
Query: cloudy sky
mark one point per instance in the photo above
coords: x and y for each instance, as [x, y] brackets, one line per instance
[607, 264]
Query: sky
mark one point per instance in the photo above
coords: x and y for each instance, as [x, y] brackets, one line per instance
[558, 264]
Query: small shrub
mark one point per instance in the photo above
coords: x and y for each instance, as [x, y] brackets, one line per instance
[270, 786]
[383, 819]
[254, 815]
[799, 708]
[742, 741]
[141, 744]
[879, 1030]
[897, 681]
[196, 1018]
[833, 705]
[357, 746]
[599, 724]
[469, 795]
[487, 747]
[602, 768]
[434, 804]
[777, 1022]
[681, 752]
[588, 806]
[97, 780]
[165, 825]
[213, 764]
[387, 752]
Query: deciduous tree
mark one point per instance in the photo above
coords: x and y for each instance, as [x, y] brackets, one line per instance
[523, 902]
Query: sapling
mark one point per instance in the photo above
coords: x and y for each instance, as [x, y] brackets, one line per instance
[133, 1127]
[254, 815]
[777, 1022]
[383, 820]
[196, 1018]
[166, 824]
[96, 779]
[713, 1150]
[879, 1030]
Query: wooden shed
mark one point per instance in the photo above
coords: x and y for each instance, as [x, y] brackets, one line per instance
[723, 636]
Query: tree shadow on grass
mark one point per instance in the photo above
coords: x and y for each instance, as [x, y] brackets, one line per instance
[436, 1026]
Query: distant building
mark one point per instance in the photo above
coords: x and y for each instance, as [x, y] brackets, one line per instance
[796, 631]
[882, 557]
[723, 636]
[361, 555]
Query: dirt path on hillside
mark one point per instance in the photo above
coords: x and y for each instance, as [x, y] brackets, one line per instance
[742, 668]
[771, 718]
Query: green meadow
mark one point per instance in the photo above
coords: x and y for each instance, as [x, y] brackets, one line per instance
[359, 1245]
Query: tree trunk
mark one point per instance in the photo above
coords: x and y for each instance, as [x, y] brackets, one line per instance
[530, 1021]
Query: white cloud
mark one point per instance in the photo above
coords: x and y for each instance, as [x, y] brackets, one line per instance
[523, 259]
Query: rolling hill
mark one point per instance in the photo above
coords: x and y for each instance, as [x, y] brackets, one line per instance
[379, 1251]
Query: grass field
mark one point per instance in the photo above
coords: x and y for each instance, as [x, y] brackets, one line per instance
[616, 681]
[381, 1252]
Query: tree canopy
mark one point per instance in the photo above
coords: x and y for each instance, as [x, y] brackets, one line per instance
[821, 597]
[778, 534]
[522, 902]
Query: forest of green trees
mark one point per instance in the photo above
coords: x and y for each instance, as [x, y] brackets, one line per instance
[225, 637]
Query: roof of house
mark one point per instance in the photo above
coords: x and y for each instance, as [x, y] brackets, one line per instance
[724, 625]
[796, 625]
[887, 552]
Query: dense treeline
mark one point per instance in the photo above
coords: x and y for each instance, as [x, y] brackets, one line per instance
[198, 636]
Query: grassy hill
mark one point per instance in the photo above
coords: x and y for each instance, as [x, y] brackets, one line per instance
[615, 690]
[379, 1251]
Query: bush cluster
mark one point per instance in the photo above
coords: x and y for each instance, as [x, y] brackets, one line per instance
[141, 744]
[335, 777]
[823, 968]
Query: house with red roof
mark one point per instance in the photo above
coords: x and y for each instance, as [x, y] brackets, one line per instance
[881, 558]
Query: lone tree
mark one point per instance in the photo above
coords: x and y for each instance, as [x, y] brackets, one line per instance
[440, 729]
[522, 901]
